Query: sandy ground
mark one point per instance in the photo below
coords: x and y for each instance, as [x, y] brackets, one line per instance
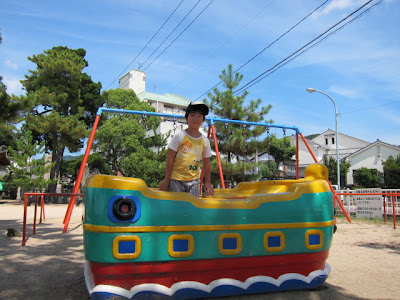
[364, 257]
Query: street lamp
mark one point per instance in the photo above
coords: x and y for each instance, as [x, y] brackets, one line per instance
[311, 90]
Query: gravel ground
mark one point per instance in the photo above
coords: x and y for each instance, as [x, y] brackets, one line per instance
[364, 257]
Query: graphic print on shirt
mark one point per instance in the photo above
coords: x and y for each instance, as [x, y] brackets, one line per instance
[187, 148]
[188, 158]
[195, 165]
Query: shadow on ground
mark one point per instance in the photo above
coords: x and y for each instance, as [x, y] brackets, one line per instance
[50, 266]
[395, 248]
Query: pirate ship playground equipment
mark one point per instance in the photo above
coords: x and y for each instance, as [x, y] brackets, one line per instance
[259, 237]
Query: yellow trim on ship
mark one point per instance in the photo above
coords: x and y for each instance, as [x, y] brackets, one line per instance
[247, 195]
[169, 228]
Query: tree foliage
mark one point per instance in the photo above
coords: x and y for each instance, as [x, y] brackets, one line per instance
[11, 112]
[331, 163]
[127, 141]
[391, 170]
[269, 170]
[64, 101]
[235, 141]
[367, 178]
[280, 149]
[312, 136]
[96, 164]
[26, 171]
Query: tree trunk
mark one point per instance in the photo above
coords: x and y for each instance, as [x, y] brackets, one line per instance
[57, 156]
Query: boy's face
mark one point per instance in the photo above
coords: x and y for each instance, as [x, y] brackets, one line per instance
[195, 119]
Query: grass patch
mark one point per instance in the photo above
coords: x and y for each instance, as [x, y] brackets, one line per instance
[373, 221]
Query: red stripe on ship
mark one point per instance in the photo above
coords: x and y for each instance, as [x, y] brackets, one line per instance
[128, 275]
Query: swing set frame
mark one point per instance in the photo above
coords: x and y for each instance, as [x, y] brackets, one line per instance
[211, 130]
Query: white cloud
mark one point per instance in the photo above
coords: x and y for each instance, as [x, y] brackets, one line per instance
[11, 65]
[13, 84]
[351, 93]
[341, 5]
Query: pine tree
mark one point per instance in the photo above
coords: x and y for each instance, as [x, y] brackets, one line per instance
[11, 112]
[235, 141]
[27, 171]
[64, 101]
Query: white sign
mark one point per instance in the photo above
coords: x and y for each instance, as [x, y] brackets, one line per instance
[369, 206]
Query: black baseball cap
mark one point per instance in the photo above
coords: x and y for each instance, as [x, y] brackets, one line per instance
[197, 106]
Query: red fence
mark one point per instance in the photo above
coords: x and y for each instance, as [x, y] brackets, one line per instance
[385, 194]
[42, 212]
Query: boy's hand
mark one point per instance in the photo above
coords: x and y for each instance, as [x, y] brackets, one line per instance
[208, 189]
[164, 185]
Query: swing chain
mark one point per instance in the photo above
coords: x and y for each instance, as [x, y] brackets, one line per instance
[174, 125]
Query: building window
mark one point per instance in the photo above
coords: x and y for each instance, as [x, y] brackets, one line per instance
[326, 141]
[333, 141]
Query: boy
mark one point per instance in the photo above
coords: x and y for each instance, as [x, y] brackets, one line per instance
[185, 151]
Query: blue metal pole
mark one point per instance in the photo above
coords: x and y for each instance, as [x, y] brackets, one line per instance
[208, 119]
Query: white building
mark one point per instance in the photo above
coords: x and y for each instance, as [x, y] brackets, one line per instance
[133, 80]
[166, 103]
[359, 153]
[372, 157]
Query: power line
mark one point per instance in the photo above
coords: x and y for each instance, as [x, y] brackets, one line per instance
[370, 107]
[301, 50]
[198, 15]
[272, 43]
[170, 33]
[225, 42]
[146, 44]
[179, 34]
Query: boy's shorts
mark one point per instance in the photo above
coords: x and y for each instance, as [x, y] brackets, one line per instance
[191, 186]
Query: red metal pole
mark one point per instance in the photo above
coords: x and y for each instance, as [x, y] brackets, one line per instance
[44, 214]
[24, 221]
[80, 174]
[297, 156]
[384, 208]
[330, 185]
[34, 221]
[42, 209]
[221, 175]
[394, 212]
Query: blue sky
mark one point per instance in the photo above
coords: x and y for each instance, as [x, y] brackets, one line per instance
[358, 66]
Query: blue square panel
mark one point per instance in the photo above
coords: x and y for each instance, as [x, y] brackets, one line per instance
[127, 247]
[314, 239]
[274, 241]
[181, 245]
[229, 243]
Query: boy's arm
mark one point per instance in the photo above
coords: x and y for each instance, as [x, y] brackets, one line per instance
[207, 176]
[168, 169]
